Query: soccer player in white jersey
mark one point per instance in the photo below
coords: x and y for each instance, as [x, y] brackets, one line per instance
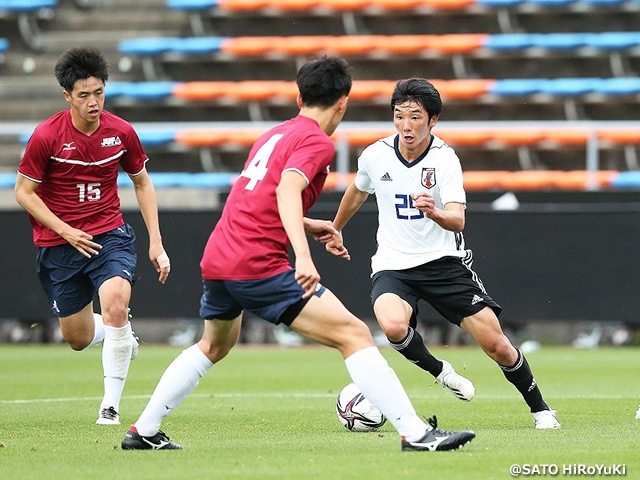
[67, 182]
[417, 180]
[246, 265]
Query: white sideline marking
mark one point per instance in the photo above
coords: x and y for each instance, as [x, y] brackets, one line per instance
[285, 395]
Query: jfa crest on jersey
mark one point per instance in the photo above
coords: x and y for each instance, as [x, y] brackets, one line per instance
[428, 177]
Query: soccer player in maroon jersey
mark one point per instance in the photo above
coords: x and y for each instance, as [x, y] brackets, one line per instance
[67, 182]
[246, 266]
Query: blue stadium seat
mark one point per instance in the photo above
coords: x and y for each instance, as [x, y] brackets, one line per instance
[510, 41]
[613, 40]
[4, 45]
[140, 90]
[156, 45]
[150, 138]
[619, 86]
[570, 86]
[516, 86]
[193, 5]
[561, 41]
[629, 179]
[26, 5]
[183, 179]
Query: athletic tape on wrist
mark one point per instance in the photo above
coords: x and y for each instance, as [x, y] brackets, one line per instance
[163, 260]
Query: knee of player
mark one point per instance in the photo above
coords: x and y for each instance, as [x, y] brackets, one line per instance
[500, 349]
[77, 343]
[395, 330]
[115, 314]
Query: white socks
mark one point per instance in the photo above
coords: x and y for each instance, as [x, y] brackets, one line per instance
[116, 357]
[378, 382]
[98, 333]
[177, 382]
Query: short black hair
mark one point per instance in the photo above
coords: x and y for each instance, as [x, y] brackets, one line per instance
[420, 91]
[323, 81]
[80, 63]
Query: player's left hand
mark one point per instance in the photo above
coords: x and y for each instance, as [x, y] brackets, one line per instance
[336, 247]
[425, 203]
[161, 263]
[306, 275]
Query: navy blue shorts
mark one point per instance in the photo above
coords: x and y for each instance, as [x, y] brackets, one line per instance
[71, 280]
[448, 284]
[276, 299]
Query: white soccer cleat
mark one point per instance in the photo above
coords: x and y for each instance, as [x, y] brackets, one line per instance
[546, 420]
[108, 416]
[638, 414]
[461, 387]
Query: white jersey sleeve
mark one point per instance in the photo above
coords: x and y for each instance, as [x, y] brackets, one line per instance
[406, 237]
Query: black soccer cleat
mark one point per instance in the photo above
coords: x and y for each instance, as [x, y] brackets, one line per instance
[437, 439]
[134, 441]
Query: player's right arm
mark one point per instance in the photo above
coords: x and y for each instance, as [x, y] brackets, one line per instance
[351, 202]
[25, 193]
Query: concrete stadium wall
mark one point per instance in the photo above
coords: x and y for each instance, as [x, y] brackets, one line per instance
[551, 260]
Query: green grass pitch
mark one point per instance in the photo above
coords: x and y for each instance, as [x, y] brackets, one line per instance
[268, 413]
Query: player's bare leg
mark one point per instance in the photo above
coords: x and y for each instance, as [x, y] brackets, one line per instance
[485, 328]
[326, 320]
[394, 315]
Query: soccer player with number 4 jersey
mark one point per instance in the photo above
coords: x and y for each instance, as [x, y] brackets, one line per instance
[246, 266]
[67, 182]
[417, 180]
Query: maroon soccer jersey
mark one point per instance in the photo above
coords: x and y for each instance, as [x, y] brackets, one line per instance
[78, 174]
[249, 241]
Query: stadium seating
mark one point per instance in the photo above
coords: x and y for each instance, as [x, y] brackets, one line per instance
[27, 13]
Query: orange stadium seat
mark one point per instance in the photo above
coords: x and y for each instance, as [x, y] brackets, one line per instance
[345, 5]
[484, 180]
[253, 90]
[294, 5]
[406, 44]
[398, 4]
[364, 137]
[302, 44]
[620, 135]
[458, 42]
[466, 137]
[201, 90]
[567, 136]
[463, 88]
[517, 136]
[244, 5]
[337, 180]
[242, 46]
[449, 4]
[368, 89]
[354, 44]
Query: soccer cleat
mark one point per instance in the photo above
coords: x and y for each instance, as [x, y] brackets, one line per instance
[638, 414]
[459, 386]
[437, 439]
[546, 420]
[108, 416]
[134, 441]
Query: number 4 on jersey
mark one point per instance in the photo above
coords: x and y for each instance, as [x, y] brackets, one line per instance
[257, 169]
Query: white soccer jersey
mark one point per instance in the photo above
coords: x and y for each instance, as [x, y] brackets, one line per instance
[406, 237]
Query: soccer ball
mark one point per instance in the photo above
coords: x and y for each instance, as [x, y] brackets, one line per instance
[357, 413]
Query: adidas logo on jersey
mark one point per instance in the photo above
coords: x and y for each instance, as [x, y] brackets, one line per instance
[111, 142]
[476, 299]
[386, 178]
